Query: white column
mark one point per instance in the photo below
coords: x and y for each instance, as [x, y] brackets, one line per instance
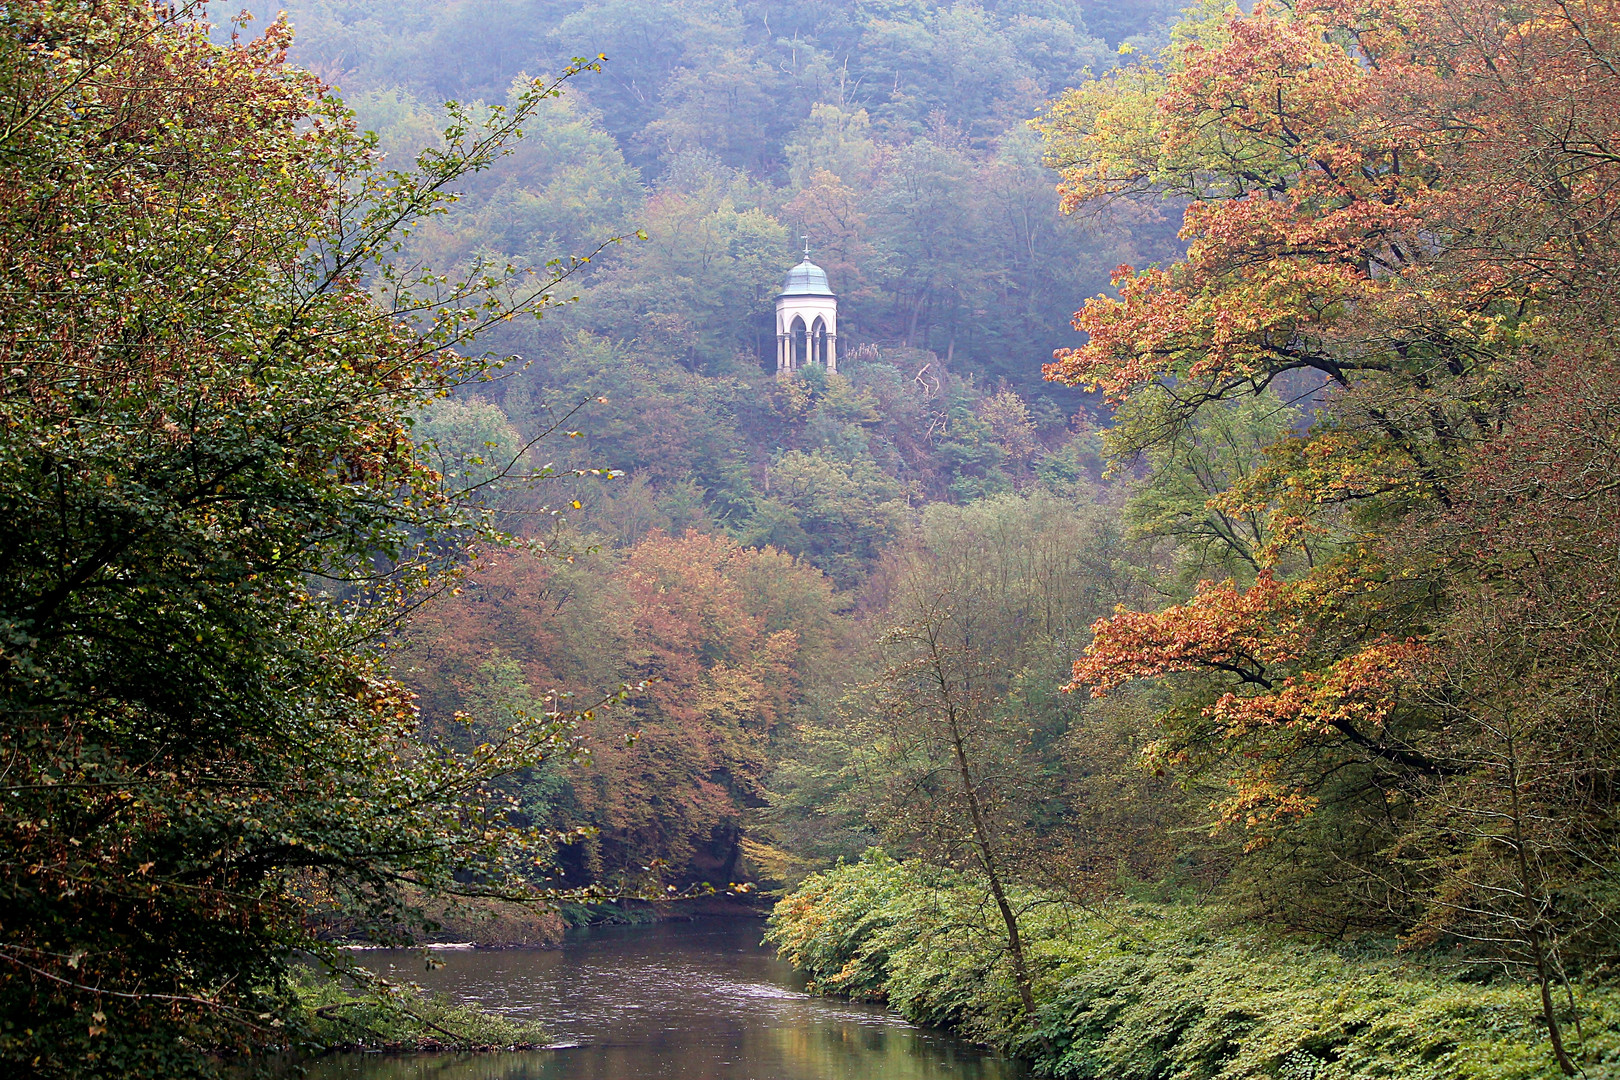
[832, 353]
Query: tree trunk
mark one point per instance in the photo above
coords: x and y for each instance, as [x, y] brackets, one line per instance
[982, 842]
[987, 859]
[1529, 896]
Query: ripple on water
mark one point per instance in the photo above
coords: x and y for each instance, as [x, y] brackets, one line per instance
[700, 1000]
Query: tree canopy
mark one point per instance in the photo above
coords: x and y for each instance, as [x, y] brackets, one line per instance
[338, 590]
[1398, 211]
[214, 505]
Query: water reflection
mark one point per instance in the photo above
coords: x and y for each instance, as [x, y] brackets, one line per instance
[701, 1000]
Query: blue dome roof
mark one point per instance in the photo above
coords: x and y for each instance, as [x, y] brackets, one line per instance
[806, 279]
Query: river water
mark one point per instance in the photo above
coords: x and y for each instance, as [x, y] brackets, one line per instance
[695, 1001]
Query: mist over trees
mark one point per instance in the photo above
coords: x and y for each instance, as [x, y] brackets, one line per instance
[1203, 558]
[898, 142]
[895, 137]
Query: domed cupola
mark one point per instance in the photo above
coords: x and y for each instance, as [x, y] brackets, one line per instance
[806, 279]
[806, 318]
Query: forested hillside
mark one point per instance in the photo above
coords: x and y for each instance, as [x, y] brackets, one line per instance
[894, 136]
[1177, 641]
[897, 140]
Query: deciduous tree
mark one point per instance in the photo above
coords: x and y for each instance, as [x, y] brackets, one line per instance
[213, 503]
[1400, 209]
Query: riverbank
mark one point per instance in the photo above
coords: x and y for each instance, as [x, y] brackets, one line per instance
[702, 998]
[392, 1018]
[1141, 990]
[334, 1016]
[498, 924]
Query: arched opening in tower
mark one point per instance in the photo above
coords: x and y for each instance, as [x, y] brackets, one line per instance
[799, 342]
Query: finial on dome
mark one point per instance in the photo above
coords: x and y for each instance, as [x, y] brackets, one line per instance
[806, 240]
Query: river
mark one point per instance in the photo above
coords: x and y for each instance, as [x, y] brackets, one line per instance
[696, 1001]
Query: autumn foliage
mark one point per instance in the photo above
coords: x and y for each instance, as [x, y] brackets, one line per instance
[723, 637]
[213, 507]
[1399, 211]
[1374, 188]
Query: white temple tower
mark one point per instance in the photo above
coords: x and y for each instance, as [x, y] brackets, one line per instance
[806, 319]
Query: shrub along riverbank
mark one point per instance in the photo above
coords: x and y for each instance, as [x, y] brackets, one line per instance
[1136, 990]
[332, 1015]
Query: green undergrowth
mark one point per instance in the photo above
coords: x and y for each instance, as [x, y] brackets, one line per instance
[1132, 991]
[620, 913]
[335, 1016]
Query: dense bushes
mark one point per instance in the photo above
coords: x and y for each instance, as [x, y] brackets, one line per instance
[388, 1017]
[1161, 992]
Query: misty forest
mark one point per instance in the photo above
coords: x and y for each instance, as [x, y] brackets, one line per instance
[857, 538]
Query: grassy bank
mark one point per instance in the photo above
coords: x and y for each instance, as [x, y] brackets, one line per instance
[1157, 992]
[333, 1016]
